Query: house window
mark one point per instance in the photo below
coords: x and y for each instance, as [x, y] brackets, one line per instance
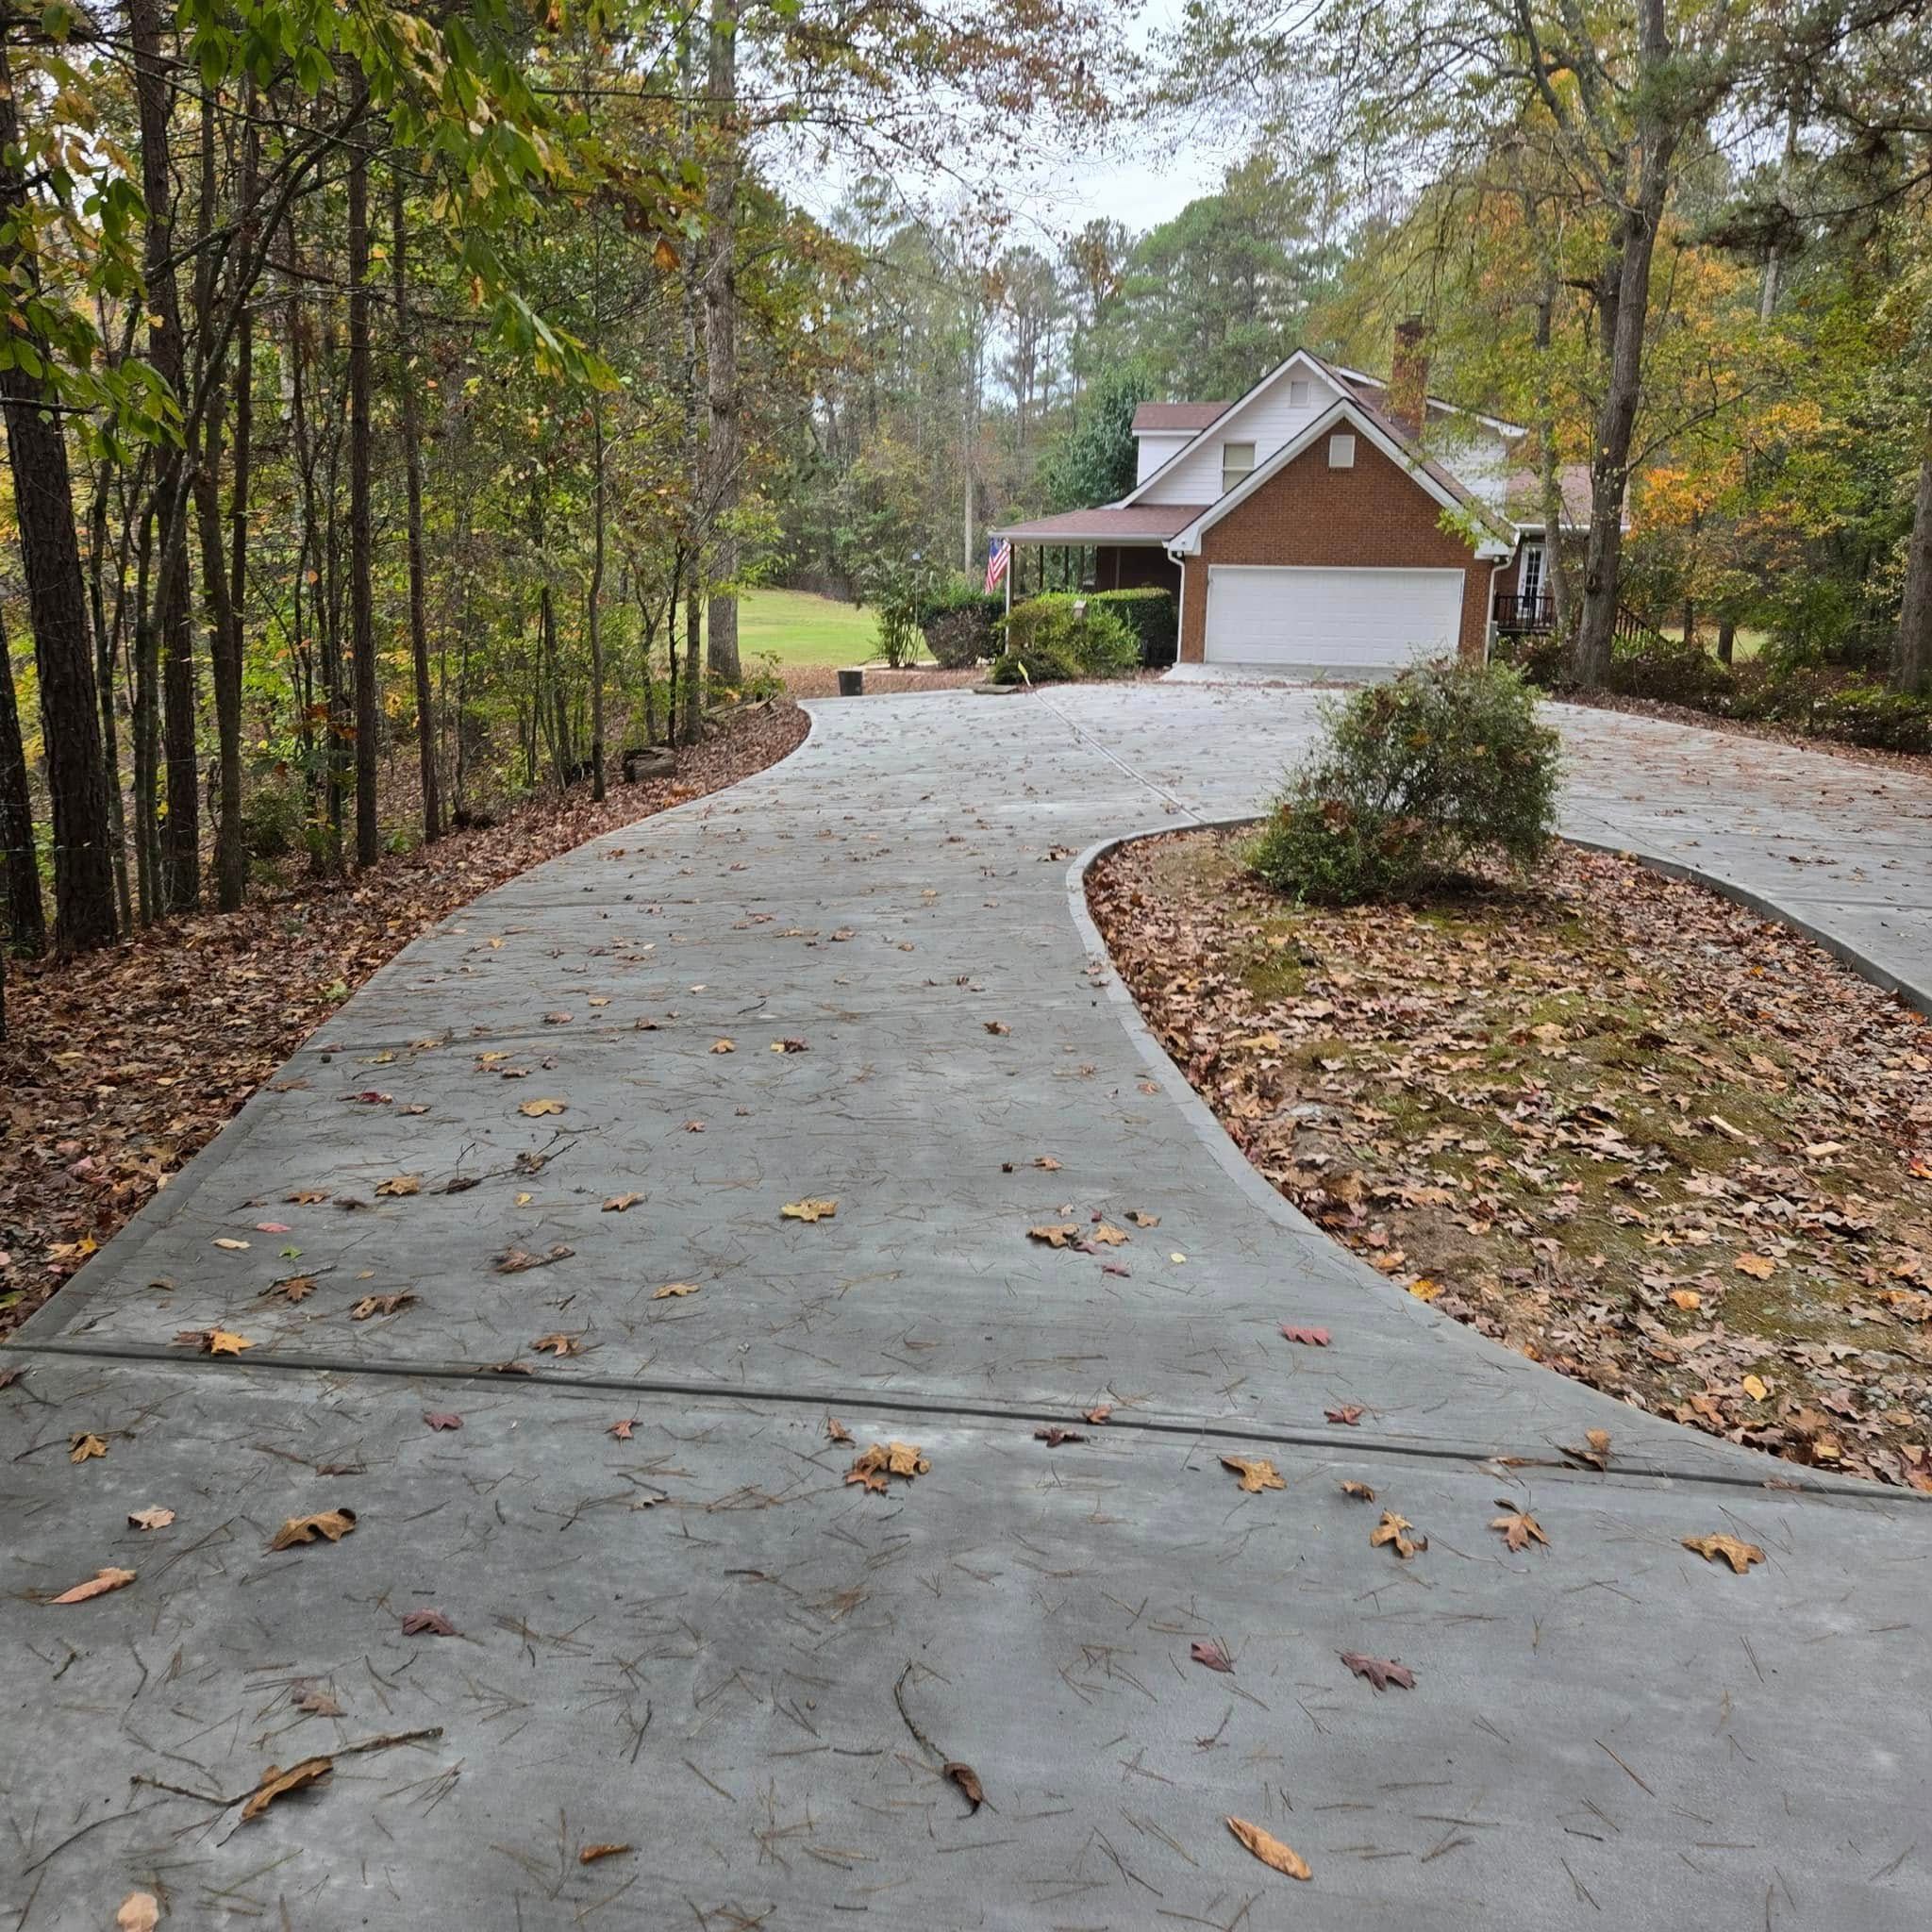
[1341, 451]
[1236, 460]
[1297, 393]
[1532, 573]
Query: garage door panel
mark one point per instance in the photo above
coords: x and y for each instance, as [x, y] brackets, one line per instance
[1331, 619]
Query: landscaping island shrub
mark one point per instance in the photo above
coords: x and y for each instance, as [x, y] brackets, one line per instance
[961, 623]
[1060, 639]
[1417, 777]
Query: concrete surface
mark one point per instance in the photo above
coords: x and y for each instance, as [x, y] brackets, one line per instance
[699, 1642]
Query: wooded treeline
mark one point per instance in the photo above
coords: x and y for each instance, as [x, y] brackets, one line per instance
[392, 398]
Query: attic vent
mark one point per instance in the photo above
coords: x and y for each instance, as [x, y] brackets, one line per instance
[1341, 451]
[1297, 393]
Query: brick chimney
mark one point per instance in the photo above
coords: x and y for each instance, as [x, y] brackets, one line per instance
[1405, 399]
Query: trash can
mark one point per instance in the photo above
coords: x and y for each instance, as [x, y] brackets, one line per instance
[852, 682]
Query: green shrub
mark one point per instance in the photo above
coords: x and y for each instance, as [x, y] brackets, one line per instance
[1670, 671]
[1440, 765]
[1075, 635]
[1870, 715]
[961, 624]
[1538, 655]
[273, 818]
[1041, 663]
[1154, 616]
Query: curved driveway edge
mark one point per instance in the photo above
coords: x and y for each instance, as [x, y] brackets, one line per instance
[680, 1629]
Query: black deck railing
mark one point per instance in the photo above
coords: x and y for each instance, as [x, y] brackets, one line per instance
[1515, 611]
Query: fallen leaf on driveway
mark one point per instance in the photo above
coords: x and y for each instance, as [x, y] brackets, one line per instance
[1725, 1549]
[809, 1210]
[83, 1447]
[1056, 1234]
[1350, 1412]
[1518, 1529]
[441, 1419]
[557, 1019]
[1255, 1473]
[1359, 1493]
[428, 1624]
[1052, 1436]
[315, 1699]
[1756, 1266]
[536, 1108]
[379, 1305]
[967, 1779]
[99, 1584]
[1213, 1654]
[276, 1783]
[590, 1854]
[139, 1911]
[1108, 1234]
[1099, 1413]
[618, 1204]
[516, 1261]
[228, 1242]
[307, 1197]
[622, 1428]
[1046, 1163]
[1393, 1530]
[998, 1026]
[400, 1184]
[149, 1519]
[723, 1046]
[1756, 1387]
[872, 1466]
[672, 1289]
[327, 1524]
[559, 1345]
[1308, 1338]
[1380, 1671]
[1596, 1452]
[212, 1340]
[789, 1047]
[1141, 1220]
[1270, 1851]
[836, 1431]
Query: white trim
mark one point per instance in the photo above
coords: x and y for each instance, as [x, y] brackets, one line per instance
[1187, 542]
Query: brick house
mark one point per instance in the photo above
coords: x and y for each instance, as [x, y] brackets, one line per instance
[1327, 523]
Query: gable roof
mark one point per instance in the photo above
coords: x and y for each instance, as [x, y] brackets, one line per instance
[1167, 419]
[1496, 541]
[1360, 380]
[1313, 363]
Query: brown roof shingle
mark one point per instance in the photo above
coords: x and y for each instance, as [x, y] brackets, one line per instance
[1145, 522]
[1178, 418]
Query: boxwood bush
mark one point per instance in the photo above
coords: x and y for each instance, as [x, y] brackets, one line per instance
[960, 623]
[1154, 615]
[1415, 777]
[1059, 636]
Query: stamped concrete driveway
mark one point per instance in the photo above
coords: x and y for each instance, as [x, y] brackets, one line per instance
[678, 1630]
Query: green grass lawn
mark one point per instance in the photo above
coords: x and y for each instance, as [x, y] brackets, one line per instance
[798, 627]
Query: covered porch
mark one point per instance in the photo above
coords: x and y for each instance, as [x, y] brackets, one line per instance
[1096, 550]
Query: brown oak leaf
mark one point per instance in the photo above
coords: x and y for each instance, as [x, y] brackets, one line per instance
[1055, 1234]
[1719, 1548]
[1270, 1850]
[873, 1465]
[330, 1526]
[673, 1291]
[620, 1204]
[967, 1779]
[276, 1783]
[1350, 1412]
[379, 1305]
[1359, 1493]
[1380, 1671]
[150, 1519]
[83, 1446]
[1255, 1473]
[441, 1419]
[559, 1345]
[1394, 1531]
[1308, 1338]
[1518, 1527]
[1052, 1436]
[398, 1185]
[808, 1209]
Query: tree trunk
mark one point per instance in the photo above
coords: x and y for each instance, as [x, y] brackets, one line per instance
[412, 457]
[721, 341]
[361, 530]
[223, 620]
[1726, 640]
[56, 596]
[1626, 313]
[105, 634]
[1912, 666]
[593, 624]
[20, 865]
[181, 829]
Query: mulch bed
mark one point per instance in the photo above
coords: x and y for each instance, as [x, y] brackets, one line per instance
[1615, 1121]
[121, 1065]
[1745, 728]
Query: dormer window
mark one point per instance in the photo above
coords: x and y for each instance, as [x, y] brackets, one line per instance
[1236, 460]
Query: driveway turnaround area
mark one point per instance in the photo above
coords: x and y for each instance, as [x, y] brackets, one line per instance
[664, 1630]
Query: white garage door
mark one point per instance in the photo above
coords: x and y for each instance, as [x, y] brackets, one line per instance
[1330, 619]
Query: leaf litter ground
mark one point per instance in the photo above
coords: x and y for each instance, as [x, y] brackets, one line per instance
[1615, 1121]
[121, 1065]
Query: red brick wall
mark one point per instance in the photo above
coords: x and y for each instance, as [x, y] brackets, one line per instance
[1376, 513]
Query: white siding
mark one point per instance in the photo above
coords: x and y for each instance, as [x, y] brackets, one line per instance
[1156, 447]
[1330, 619]
[1267, 420]
[1476, 457]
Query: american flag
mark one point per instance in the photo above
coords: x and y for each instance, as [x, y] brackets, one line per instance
[998, 557]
